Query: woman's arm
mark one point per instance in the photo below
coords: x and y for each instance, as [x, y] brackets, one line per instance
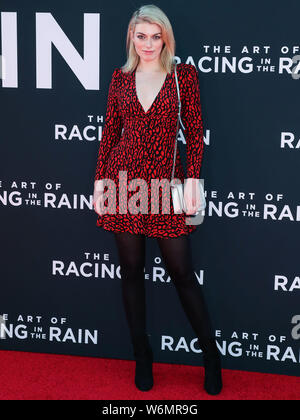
[112, 128]
[192, 120]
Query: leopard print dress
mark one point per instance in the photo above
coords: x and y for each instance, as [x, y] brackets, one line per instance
[138, 145]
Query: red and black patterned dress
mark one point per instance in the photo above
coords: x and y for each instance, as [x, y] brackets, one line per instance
[142, 145]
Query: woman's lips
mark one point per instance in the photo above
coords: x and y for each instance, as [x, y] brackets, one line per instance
[148, 52]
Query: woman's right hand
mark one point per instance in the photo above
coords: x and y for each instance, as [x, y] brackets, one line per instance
[98, 197]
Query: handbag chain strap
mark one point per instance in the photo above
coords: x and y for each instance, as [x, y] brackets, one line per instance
[178, 120]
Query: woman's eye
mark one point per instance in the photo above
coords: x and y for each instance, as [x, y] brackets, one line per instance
[155, 36]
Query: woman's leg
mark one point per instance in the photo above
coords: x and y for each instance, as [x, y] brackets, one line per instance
[176, 253]
[131, 248]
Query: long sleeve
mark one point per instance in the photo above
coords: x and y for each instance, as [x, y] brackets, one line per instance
[192, 120]
[112, 128]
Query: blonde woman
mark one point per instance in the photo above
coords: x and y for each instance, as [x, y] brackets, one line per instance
[138, 141]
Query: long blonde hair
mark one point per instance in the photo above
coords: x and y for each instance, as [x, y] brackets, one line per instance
[151, 14]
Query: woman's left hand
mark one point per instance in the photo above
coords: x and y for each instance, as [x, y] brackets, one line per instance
[192, 197]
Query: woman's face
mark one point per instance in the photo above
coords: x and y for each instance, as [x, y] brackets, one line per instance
[148, 42]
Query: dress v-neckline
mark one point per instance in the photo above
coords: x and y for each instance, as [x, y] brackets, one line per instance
[156, 97]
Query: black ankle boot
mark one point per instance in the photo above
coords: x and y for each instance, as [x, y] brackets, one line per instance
[213, 373]
[143, 372]
[143, 356]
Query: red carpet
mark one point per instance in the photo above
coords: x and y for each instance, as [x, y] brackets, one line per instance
[36, 376]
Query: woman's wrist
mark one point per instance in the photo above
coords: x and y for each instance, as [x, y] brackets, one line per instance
[99, 185]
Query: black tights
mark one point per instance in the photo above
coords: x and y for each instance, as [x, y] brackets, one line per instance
[176, 254]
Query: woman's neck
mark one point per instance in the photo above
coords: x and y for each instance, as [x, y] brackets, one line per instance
[149, 67]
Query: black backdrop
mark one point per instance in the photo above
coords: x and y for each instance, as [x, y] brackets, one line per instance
[60, 280]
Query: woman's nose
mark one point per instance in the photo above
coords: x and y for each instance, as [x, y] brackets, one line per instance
[149, 42]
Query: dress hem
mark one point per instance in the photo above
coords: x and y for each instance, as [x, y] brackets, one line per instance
[149, 235]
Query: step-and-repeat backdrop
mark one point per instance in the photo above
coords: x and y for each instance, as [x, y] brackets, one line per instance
[60, 274]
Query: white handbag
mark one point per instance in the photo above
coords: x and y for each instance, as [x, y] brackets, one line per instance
[177, 188]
